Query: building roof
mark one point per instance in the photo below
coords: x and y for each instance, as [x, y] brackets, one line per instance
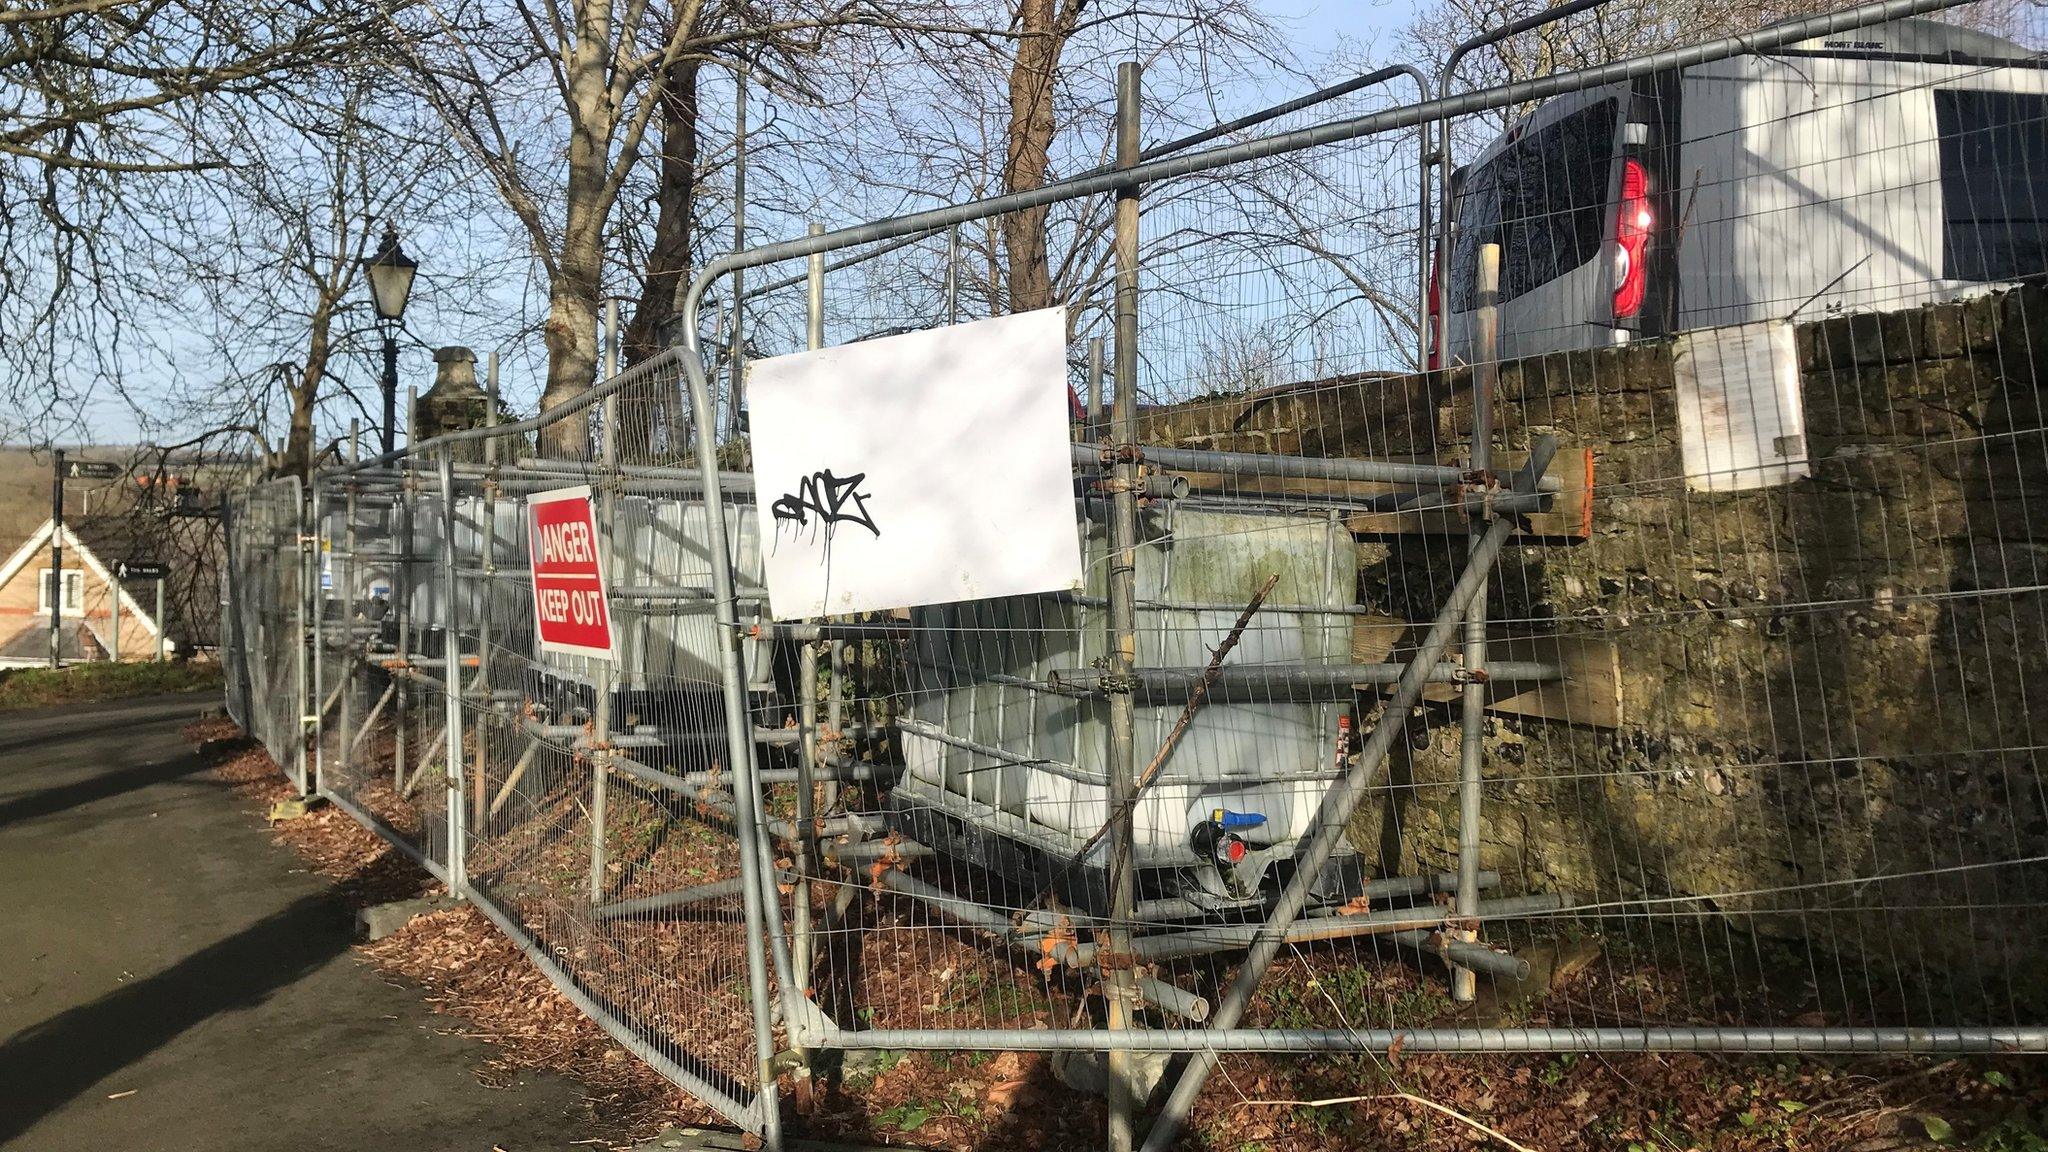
[76, 642]
[112, 538]
[77, 535]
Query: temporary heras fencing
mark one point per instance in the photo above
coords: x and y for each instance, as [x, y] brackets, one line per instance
[1660, 676]
[264, 621]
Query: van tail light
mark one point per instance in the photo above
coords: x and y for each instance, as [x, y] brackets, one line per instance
[1432, 310]
[1632, 221]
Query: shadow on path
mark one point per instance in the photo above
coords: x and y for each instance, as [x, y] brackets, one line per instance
[47, 1064]
[49, 801]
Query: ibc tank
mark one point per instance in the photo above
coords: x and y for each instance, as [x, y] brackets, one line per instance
[980, 686]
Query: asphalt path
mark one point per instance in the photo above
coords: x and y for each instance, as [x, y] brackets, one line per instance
[171, 979]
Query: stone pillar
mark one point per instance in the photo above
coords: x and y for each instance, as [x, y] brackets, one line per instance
[454, 403]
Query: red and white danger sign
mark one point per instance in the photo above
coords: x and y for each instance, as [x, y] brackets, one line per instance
[570, 612]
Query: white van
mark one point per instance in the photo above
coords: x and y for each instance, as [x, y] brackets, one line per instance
[1892, 166]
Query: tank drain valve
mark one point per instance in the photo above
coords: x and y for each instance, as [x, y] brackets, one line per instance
[1218, 839]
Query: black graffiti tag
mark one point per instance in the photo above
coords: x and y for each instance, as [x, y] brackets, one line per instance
[831, 499]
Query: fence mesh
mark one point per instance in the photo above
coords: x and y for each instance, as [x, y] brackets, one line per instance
[1658, 675]
[264, 620]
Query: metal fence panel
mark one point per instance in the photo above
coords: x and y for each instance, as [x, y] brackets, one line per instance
[1500, 666]
[264, 620]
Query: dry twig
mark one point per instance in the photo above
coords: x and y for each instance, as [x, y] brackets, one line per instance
[1410, 1097]
[1196, 699]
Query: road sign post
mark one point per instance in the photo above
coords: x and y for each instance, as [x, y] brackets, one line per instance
[132, 569]
[90, 470]
[56, 589]
[63, 470]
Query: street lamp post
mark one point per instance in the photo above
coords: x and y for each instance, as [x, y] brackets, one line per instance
[390, 271]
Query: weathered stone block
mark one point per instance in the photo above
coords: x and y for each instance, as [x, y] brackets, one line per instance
[1805, 691]
[1831, 345]
[1942, 332]
[1643, 366]
[381, 920]
[1882, 337]
[293, 807]
[1982, 321]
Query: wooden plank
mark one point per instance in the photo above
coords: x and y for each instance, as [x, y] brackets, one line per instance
[1590, 693]
[1570, 516]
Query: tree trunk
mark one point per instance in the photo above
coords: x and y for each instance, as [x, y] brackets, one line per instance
[571, 334]
[571, 338]
[297, 458]
[669, 257]
[652, 426]
[1045, 28]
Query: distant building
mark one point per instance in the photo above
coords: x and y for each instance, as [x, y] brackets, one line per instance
[99, 620]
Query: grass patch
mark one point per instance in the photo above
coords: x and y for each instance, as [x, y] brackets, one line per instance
[41, 687]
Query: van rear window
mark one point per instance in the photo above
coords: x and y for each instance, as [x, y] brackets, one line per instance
[1994, 174]
[1543, 199]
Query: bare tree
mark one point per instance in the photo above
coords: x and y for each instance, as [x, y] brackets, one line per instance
[665, 269]
[262, 274]
[88, 81]
[563, 159]
[98, 156]
[1044, 27]
[1026, 102]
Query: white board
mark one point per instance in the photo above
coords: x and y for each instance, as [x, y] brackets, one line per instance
[1741, 423]
[919, 469]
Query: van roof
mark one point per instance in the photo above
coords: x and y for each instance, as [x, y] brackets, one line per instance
[1910, 37]
[1914, 37]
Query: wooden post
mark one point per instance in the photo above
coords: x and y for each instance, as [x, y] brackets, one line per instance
[56, 590]
[1119, 981]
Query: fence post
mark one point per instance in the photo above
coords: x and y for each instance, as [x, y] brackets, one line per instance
[1121, 990]
[1095, 429]
[345, 581]
[401, 603]
[307, 555]
[737, 334]
[1472, 705]
[314, 639]
[487, 561]
[1425, 242]
[451, 644]
[807, 694]
[231, 620]
[601, 714]
[738, 724]
[952, 271]
[56, 588]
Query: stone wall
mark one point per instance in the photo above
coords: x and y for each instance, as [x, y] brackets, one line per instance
[1832, 690]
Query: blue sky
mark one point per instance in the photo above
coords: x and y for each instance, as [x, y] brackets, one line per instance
[1315, 27]
[1318, 21]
